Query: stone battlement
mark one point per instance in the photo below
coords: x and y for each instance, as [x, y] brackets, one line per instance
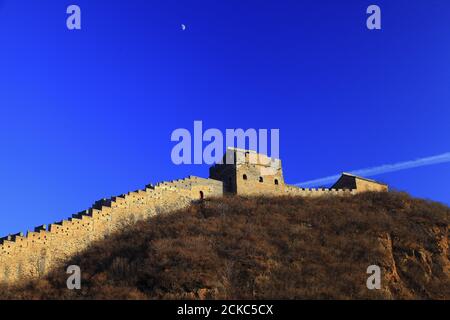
[32, 255]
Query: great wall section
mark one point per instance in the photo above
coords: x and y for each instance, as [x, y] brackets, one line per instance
[47, 247]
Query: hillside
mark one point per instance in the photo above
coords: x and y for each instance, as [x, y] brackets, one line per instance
[263, 248]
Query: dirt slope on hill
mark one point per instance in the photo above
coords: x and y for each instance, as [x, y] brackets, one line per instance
[260, 248]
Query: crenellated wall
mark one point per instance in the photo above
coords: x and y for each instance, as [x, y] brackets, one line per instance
[317, 192]
[32, 255]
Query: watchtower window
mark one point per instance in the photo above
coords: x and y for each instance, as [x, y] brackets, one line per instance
[244, 177]
[202, 196]
[261, 179]
[276, 181]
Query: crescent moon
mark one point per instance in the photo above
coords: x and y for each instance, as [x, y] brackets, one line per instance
[183, 27]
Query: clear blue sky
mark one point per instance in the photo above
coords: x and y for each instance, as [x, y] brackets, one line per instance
[88, 114]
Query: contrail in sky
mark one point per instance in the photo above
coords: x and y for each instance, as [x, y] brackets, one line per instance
[442, 158]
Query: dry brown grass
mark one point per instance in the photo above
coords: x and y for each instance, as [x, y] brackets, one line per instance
[268, 248]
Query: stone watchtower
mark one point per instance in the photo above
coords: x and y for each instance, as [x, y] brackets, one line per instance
[247, 172]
